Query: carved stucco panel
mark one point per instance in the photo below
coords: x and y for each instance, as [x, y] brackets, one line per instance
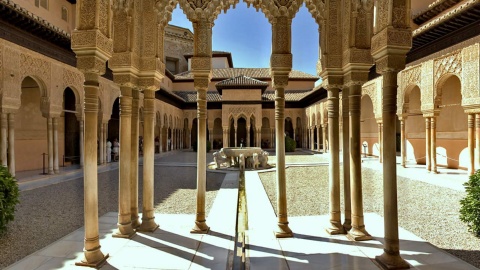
[370, 89]
[407, 78]
[449, 64]
[426, 87]
[470, 75]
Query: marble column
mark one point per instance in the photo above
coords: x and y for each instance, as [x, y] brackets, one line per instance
[248, 137]
[125, 229]
[319, 137]
[91, 249]
[433, 147]
[347, 224]
[55, 144]
[312, 138]
[477, 139]
[135, 125]
[391, 256]
[225, 137]
[50, 145]
[148, 213]
[101, 146]
[471, 142]
[380, 142]
[160, 139]
[324, 137]
[11, 143]
[358, 231]
[82, 142]
[428, 144]
[403, 141]
[335, 226]
[236, 139]
[3, 138]
[200, 219]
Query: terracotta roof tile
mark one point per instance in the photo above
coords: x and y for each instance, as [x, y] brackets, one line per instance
[241, 81]
[257, 73]
[191, 96]
[290, 95]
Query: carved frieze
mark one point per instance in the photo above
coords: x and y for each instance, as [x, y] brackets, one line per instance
[451, 63]
[470, 73]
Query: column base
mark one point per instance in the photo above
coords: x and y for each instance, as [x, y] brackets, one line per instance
[124, 231]
[200, 227]
[335, 228]
[93, 258]
[390, 261]
[358, 234]
[347, 225]
[135, 222]
[283, 231]
[148, 225]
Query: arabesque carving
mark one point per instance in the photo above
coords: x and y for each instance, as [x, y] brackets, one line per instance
[451, 63]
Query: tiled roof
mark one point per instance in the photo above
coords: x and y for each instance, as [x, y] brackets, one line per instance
[257, 73]
[241, 81]
[191, 96]
[290, 95]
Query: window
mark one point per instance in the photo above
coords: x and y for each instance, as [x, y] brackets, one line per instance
[172, 64]
[64, 14]
[44, 4]
[37, 3]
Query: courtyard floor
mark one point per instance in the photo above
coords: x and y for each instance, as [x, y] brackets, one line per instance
[47, 232]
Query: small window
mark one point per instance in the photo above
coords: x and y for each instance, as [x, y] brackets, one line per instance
[172, 64]
[44, 4]
[64, 14]
[37, 3]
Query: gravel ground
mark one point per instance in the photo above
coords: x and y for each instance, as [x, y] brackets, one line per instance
[49, 213]
[431, 212]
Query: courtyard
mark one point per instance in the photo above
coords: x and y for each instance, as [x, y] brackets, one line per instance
[428, 212]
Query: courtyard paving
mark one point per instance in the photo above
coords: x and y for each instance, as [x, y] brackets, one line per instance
[55, 242]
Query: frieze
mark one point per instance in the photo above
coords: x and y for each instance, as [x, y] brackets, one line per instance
[471, 69]
[427, 86]
[451, 63]
[281, 61]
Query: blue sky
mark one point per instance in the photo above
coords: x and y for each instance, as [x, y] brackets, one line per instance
[247, 34]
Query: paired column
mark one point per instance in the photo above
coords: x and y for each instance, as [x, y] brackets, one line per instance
[134, 158]
[55, 145]
[428, 143]
[347, 224]
[333, 109]
[50, 144]
[403, 141]
[3, 139]
[380, 142]
[471, 142]
[125, 229]
[148, 213]
[11, 143]
[433, 148]
[358, 232]
[93, 254]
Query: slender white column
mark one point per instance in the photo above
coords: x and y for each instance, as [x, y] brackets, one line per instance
[471, 143]
[236, 137]
[325, 132]
[101, 145]
[319, 145]
[3, 142]
[335, 226]
[403, 141]
[248, 137]
[347, 224]
[312, 138]
[55, 144]
[428, 143]
[148, 213]
[134, 159]
[91, 249]
[125, 229]
[82, 143]
[11, 143]
[433, 148]
[50, 145]
[358, 231]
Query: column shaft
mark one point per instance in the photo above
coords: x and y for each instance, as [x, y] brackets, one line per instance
[380, 143]
[325, 143]
[148, 213]
[428, 143]
[318, 139]
[3, 138]
[101, 145]
[82, 143]
[11, 143]
[471, 142]
[91, 249]
[433, 147]
[335, 226]
[55, 145]
[50, 145]
[347, 224]
[358, 231]
[125, 229]
[134, 159]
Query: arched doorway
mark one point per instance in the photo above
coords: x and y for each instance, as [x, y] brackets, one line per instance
[241, 132]
[72, 129]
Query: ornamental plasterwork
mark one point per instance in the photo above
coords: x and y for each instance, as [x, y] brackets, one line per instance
[451, 63]
[196, 10]
[407, 79]
[276, 8]
[426, 87]
[470, 76]
[36, 67]
[248, 111]
[373, 89]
